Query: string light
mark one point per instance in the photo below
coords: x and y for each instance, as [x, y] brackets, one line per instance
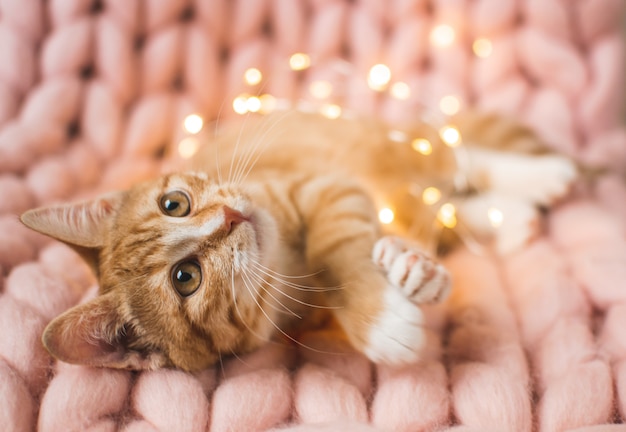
[193, 123]
[422, 145]
[397, 136]
[400, 90]
[450, 135]
[299, 61]
[188, 147]
[378, 77]
[252, 76]
[442, 35]
[253, 104]
[320, 89]
[431, 195]
[447, 215]
[268, 103]
[495, 216]
[482, 47]
[239, 104]
[449, 105]
[386, 215]
[331, 111]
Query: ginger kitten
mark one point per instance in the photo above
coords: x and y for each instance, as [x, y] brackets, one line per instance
[275, 219]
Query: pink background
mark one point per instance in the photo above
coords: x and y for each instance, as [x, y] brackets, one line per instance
[91, 91]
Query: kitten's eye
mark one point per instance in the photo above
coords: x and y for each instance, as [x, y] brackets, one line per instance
[175, 204]
[186, 277]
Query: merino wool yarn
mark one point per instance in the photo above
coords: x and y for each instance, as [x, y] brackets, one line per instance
[92, 97]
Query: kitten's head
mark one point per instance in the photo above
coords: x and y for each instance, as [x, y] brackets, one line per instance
[169, 256]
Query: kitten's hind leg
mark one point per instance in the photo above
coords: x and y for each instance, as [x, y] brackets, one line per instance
[419, 277]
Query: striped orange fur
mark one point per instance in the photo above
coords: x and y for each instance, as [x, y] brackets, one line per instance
[274, 218]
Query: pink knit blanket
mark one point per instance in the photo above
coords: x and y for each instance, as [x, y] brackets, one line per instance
[93, 92]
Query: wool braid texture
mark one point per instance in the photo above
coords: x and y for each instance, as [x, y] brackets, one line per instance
[92, 90]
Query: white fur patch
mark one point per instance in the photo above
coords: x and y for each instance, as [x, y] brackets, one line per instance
[397, 336]
[538, 179]
[519, 225]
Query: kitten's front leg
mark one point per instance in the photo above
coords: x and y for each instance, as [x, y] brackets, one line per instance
[419, 277]
[379, 318]
[413, 278]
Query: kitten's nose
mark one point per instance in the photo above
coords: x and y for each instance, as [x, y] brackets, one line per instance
[232, 217]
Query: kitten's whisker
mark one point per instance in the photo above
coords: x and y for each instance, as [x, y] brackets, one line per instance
[237, 142]
[219, 356]
[251, 278]
[293, 285]
[234, 295]
[258, 142]
[291, 338]
[241, 166]
[287, 276]
[217, 150]
[239, 358]
[302, 302]
[250, 150]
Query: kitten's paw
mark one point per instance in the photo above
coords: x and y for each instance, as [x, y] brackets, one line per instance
[519, 221]
[520, 229]
[548, 179]
[420, 279]
[397, 336]
[541, 180]
[386, 250]
[415, 274]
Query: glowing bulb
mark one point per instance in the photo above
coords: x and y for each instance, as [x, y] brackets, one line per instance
[397, 136]
[386, 215]
[253, 104]
[400, 90]
[431, 195]
[299, 61]
[379, 76]
[450, 135]
[442, 35]
[321, 89]
[193, 123]
[252, 76]
[331, 111]
[268, 103]
[422, 145]
[482, 47]
[188, 147]
[496, 217]
[449, 105]
[240, 105]
[447, 215]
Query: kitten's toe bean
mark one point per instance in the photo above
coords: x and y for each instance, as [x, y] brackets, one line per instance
[397, 336]
[386, 250]
[419, 278]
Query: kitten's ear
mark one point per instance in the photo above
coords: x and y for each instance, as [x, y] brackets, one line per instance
[81, 225]
[96, 334]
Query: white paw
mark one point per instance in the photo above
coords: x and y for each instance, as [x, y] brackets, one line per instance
[539, 179]
[548, 179]
[397, 336]
[515, 223]
[414, 273]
